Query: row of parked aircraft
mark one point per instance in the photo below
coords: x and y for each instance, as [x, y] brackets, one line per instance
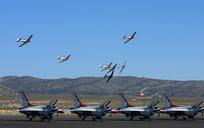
[99, 111]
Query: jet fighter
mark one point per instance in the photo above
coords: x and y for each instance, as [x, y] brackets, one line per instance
[131, 111]
[24, 41]
[129, 37]
[183, 111]
[105, 67]
[122, 66]
[31, 111]
[84, 111]
[63, 58]
[112, 70]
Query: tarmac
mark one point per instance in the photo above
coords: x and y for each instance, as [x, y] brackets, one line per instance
[117, 121]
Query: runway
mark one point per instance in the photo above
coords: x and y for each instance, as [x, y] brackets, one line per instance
[115, 122]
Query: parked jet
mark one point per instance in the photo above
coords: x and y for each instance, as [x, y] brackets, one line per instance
[131, 111]
[182, 111]
[31, 111]
[128, 38]
[24, 41]
[63, 58]
[84, 111]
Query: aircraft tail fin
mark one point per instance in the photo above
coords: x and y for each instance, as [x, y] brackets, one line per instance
[123, 101]
[167, 102]
[24, 100]
[134, 34]
[52, 103]
[76, 101]
[198, 104]
[106, 103]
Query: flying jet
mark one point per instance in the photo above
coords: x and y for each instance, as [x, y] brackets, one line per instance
[180, 111]
[24, 41]
[131, 111]
[63, 58]
[122, 66]
[43, 111]
[109, 76]
[128, 38]
[84, 111]
[112, 70]
[105, 67]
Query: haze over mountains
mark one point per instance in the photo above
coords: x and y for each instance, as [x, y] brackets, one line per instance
[96, 86]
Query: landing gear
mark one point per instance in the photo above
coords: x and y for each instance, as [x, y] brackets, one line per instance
[83, 118]
[30, 117]
[93, 118]
[42, 119]
[131, 117]
[101, 119]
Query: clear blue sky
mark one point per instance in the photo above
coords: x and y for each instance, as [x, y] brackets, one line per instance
[169, 43]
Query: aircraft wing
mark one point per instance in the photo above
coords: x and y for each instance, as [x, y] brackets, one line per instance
[175, 112]
[108, 67]
[29, 38]
[132, 109]
[122, 68]
[133, 34]
[109, 78]
[127, 41]
[22, 45]
[63, 60]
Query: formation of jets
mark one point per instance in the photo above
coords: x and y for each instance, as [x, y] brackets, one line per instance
[111, 69]
[28, 40]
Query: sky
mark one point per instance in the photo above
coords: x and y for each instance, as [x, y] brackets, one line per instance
[168, 45]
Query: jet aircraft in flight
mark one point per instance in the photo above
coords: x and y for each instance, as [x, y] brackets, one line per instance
[24, 41]
[129, 37]
[63, 58]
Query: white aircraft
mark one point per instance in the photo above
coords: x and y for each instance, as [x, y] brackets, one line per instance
[182, 111]
[112, 70]
[131, 111]
[63, 58]
[24, 41]
[105, 67]
[84, 111]
[122, 66]
[42, 111]
[128, 38]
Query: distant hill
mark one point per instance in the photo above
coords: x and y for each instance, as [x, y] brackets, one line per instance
[97, 86]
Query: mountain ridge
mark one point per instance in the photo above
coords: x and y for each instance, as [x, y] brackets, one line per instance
[130, 85]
